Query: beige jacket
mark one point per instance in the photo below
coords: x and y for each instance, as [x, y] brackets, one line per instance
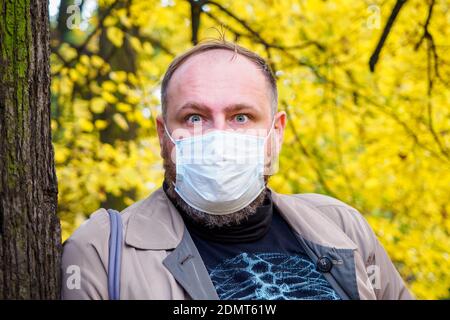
[160, 260]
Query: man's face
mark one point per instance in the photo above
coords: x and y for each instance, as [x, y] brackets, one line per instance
[217, 90]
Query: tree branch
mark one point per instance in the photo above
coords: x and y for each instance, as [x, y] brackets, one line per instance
[387, 29]
[426, 33]
[196, 11]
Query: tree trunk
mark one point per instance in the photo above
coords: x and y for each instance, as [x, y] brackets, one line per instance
[30, 239]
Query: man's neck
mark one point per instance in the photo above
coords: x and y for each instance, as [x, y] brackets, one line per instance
[252, 228]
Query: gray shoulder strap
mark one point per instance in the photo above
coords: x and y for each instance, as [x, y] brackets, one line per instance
[115, 254]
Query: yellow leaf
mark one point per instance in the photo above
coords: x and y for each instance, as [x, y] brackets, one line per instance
[118, 76]
[74, 75]
[109, 86]
[84, 59]
[125, 21]
[96, 61]
[133, 79]
[61, 155]
[115, 35]
[101, 124]
[82, 70]
[95, 88]
[86, 125]
[148, 48]
[123, 107]
[121, 122]
[123, 89]
[136, 43]
[110, 21]
[98, 105]
[109, 97]
[54, 125]
[133, 98]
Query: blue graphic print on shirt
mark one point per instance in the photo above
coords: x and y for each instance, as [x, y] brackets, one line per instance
[270, 276]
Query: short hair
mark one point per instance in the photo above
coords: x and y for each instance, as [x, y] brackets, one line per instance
[208, 45]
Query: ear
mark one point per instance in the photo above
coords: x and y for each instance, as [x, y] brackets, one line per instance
[161, 131]
[279, 126]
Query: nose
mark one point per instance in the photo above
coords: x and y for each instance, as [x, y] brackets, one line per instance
[219, 121]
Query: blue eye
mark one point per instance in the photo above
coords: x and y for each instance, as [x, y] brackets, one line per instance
[241, 118]
[194, 118]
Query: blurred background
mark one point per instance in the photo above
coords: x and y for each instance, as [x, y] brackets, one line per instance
[365, 84]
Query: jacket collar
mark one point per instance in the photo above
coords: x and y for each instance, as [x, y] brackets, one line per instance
[154, 223]
[310, 223]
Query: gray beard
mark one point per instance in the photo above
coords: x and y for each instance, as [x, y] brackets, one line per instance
[205, 218]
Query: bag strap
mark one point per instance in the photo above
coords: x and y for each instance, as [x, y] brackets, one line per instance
[115, 254]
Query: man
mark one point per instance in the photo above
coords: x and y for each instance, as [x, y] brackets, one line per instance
[215, 230]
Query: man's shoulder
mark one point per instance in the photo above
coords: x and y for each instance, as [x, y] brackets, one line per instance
[318, 200]
[147, 224]
[96, 228]
[339, 211]
[345, 216]
[93, 228]
[336, 210]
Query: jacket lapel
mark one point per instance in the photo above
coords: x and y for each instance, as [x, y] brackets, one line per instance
[188, 269]
[342, 276]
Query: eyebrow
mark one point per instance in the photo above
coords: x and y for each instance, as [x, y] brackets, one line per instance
[241, 107]
[196, 106]
[231, 108]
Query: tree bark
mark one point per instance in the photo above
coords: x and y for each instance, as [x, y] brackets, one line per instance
[30, 238]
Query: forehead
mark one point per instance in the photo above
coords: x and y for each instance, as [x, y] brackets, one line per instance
[219, 78]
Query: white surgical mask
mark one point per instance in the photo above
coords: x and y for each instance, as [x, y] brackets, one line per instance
[220, 172]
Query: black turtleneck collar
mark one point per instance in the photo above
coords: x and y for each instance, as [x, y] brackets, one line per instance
[251, 229]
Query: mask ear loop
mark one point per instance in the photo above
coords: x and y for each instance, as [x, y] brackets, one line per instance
[173, 141]
[267, 137]
[270, 130]
[168, 134]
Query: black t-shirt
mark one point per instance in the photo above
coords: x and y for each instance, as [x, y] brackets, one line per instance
[260, 258]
